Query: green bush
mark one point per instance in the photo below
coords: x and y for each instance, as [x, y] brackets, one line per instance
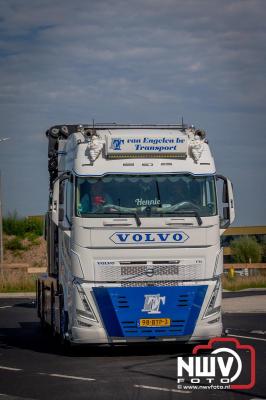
[15, 244]
[32, 239]
[12, 225]
[246, 249]
[23, 227]
[34, 225]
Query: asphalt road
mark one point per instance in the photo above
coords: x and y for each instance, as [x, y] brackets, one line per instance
[33, 367]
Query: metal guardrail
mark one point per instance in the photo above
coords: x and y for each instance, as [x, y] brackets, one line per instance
[23, 267]
[15, 266]
[247, 265]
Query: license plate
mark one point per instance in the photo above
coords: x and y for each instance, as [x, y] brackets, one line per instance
[152, 322]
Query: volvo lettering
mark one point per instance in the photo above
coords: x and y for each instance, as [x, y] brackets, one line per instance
[147, 237]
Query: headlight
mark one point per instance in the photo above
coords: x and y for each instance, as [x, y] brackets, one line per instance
[211, 309]
[88, 313]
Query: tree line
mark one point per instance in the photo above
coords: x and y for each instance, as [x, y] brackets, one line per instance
[247, 249]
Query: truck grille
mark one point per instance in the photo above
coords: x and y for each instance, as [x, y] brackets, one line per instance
[146, 270]
[149, 283]
[138, 272]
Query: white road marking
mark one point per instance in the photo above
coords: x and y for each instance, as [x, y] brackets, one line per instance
[259, 332]
[81, 378]
[248, 337]
[163, 389]
[6, 306]
[10, 369]
[10, 397]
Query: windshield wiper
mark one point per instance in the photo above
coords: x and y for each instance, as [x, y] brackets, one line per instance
[186, 214]
[124, 214]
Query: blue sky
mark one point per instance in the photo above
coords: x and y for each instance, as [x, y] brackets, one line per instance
[133, 61]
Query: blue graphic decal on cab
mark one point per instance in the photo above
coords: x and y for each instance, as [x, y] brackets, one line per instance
[122, 308]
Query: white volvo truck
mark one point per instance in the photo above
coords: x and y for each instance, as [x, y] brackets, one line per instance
[133, 234]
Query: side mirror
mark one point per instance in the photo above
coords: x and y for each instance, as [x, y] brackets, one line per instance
[61, 214]
[46, 226]
[228, 203]
[225, 192]
[62, 180]
[58, 213]
[61, 193]
[226, 213]
[55, 198]
[231, 204]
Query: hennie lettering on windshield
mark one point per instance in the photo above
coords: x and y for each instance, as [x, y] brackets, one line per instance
[152, 202]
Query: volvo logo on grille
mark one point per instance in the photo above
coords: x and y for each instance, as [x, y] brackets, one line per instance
[149, 271]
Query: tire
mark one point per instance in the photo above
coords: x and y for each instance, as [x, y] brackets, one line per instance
[42, 316]
[53, 330]
[38, 298]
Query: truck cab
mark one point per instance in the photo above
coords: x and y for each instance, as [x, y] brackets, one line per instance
[133, 232]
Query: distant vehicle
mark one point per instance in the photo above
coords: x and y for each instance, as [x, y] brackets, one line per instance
[133, 235]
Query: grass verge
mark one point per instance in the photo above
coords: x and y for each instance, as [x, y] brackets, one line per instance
[17, 281]
[244, 282]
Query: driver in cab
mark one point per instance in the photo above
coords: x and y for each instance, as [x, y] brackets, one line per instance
[94, 198]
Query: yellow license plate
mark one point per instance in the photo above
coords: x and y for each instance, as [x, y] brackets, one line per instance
[152, 322]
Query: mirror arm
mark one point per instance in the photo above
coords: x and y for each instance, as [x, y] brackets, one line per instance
[64, 176]
[221, 177]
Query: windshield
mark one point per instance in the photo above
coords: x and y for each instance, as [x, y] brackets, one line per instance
[146, 195]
